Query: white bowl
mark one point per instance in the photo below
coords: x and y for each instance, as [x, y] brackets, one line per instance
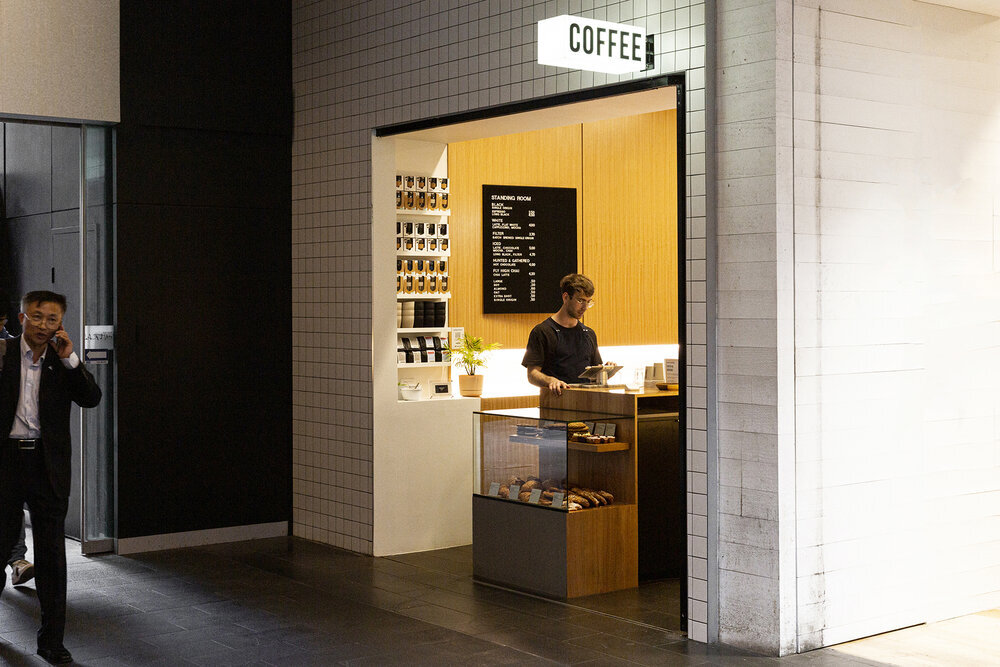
[410, 393]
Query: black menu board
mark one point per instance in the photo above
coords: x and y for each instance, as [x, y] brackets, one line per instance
[529, 244]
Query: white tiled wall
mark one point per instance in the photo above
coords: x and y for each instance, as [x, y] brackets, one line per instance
[859, 290]
[360, 65]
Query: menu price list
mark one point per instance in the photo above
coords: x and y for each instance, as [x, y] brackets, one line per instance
[529, 244]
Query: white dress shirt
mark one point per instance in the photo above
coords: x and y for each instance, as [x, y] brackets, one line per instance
[26, 424]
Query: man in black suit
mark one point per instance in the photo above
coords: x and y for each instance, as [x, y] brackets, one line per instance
[41, 377]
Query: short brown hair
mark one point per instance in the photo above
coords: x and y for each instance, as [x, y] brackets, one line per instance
[43, 296]
[576, 282]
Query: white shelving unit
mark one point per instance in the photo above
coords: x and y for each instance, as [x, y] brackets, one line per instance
[416, 211]
[428, 373]
[412, 441]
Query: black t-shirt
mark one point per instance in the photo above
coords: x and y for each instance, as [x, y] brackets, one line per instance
[562, 352]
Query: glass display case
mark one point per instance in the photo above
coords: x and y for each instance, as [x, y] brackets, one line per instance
[524, 455]
[554, 500]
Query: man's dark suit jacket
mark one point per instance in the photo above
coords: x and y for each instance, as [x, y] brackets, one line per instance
[57, 388]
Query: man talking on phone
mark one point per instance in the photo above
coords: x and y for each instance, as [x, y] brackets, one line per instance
[41, 377]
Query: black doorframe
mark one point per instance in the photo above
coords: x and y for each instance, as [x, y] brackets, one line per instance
[679, 82]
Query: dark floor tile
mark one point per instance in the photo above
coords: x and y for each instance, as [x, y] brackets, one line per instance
[335, 656]
[503, 655]
[624, 649]
[541, 646]
[448, 653]
[463, 603]
[621, 628]
[468, 623]
[550, 628]
[141, 625]
[16, 656]
[284, 601]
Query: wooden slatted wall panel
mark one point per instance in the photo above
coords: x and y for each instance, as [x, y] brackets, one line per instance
[545, 158]
[625, 173]
[630, 228]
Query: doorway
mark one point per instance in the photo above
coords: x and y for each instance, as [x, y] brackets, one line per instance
[547, 129]
[56, 233]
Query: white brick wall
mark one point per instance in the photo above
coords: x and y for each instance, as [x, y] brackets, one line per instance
[859, 459]
[756, 443]
[897, 136]
[364, 64]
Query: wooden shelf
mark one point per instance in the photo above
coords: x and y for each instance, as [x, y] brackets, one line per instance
[599, 447]
[413, 211]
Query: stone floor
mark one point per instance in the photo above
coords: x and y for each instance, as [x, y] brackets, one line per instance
[290, 602]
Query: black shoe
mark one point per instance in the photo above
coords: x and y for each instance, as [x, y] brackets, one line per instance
[56, 656]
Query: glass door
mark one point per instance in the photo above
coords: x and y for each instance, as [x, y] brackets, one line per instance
[97, 219]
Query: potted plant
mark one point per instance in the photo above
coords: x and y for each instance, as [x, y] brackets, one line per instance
[470, 353]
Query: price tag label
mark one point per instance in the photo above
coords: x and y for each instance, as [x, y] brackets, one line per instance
[557, 499]
[536, 495]
[494, 488]
[590, 427]
[515, 491]
[600, 428]
[609, 429]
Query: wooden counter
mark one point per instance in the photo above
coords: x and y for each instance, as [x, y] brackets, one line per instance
[584, 552]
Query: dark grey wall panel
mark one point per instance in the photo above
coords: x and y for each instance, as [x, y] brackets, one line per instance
[204, 266]
[30, 238]
[65, 168]
[70, 219]
[28, 150]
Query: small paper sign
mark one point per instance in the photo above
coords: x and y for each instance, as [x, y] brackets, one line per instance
[99, 337]
[494, 488]
[536, 495]
[600, 428]
[515, 491]
[609, 429]
[590, 427]
[96, 356]
[557, 499]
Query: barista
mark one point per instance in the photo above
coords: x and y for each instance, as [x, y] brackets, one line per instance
[561, 347]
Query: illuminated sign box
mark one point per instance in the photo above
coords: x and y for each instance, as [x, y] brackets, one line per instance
[596, 46]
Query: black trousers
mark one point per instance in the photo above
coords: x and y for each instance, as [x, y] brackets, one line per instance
[24, 480]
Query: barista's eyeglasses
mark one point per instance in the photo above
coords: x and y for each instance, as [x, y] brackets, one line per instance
[586, 303]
